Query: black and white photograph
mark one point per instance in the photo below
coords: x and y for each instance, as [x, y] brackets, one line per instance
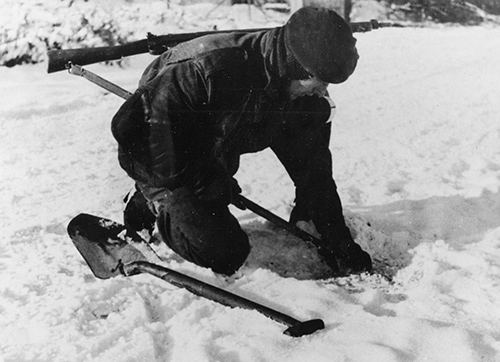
[249, 180]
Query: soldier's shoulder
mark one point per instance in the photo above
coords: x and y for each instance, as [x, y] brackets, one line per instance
[212, 54]
[222, 59]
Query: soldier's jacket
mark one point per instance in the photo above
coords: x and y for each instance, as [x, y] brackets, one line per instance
[203, 103]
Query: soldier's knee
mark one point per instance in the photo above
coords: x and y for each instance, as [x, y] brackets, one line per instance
[228, 256]
[222, 248]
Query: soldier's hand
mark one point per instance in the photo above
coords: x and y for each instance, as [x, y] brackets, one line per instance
[236, 200]
[222, 188]
[347, 256]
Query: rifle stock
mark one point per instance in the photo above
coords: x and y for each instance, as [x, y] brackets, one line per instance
[59, 59]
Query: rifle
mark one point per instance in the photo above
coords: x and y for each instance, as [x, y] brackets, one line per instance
[155, 45]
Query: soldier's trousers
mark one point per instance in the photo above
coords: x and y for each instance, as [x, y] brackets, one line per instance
[205, 233]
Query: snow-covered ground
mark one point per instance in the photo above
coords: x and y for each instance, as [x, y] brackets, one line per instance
[416, 145]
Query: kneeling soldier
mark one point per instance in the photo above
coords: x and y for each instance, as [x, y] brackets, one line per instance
[203, 103]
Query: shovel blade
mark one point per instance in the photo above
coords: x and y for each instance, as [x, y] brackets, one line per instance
[102, 244]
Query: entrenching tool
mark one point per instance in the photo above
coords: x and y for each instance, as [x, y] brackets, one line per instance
[103, 244]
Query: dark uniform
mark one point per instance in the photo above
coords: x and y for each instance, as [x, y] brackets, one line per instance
[199, 106]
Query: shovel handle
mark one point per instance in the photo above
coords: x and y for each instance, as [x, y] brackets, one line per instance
[296, 327]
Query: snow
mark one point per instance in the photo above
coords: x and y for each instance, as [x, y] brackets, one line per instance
[416, 158]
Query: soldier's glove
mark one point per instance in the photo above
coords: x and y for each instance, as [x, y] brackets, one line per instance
[350, 258]
[329, 258]
[220, 188]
